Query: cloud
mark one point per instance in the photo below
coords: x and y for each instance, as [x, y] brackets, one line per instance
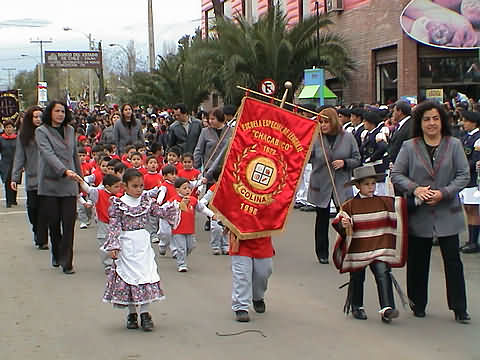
[25, 22]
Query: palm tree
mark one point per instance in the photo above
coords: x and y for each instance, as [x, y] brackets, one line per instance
[245, 53]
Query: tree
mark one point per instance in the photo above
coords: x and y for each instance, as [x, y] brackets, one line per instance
[245, 53]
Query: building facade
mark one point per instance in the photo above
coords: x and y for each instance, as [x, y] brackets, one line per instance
[389, 64]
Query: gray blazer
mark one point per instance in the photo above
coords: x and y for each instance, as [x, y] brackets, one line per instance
[207, 142]
[57, 155]
[124, 136]
[321, 188]
[450, 173]
[26, 158]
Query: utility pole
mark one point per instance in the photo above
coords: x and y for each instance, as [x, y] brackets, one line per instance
[41, 42]
[10, 77]
[151, 39]
[101, 80]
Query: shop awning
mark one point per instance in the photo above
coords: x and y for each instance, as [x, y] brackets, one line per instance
[312, 92]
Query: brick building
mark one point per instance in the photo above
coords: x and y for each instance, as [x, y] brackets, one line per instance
[389, 63]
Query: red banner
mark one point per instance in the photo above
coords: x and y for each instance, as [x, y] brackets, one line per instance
[264, 163]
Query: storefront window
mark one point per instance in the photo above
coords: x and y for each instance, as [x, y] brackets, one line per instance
[461, 73]
[387, 83]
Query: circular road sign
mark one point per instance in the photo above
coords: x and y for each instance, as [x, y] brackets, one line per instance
[268, 87]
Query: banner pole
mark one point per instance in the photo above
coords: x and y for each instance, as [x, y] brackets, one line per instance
[279, 100]
[288, 86]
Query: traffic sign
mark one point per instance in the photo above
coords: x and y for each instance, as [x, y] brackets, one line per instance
[268, 87]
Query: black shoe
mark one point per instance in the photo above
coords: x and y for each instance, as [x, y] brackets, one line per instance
[389, 315]
[42, 247]
[206, 227]
[242, 316]
[298, 205]
[323, 260]
[307, 208]
[55, 263]
[419, 313]
[14, 203]
[462, 318]
[132, 321]
[69, 271]
[8, 206]
[146, 321]
[259, 306]
[471, 249]
[359, 313]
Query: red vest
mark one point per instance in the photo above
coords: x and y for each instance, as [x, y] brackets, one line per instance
[187, 222]
[152, 180]
[98, 177]
[86, 168]
[190, 175]
[171, 191]
[259, 248]
[102, 205]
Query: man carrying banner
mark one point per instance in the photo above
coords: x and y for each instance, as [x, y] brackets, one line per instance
[264, 163]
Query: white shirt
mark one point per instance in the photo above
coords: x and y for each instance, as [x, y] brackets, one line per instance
[403, 121]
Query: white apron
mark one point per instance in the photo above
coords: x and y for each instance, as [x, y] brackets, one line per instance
[470, 196]
[136, 261]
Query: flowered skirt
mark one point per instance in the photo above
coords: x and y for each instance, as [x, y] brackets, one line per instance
[121, 294]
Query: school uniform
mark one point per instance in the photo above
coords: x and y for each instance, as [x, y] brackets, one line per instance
[165, 192]
[218, 238]
[184, 235]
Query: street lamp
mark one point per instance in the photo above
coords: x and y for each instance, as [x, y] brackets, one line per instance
[91, 46]
[129, 58]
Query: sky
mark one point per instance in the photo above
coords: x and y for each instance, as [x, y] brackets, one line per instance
[111, 21]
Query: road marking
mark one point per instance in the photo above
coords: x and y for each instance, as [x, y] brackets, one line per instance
[13, 212]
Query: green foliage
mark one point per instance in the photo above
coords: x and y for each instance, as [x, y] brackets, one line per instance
[26, 81]
[248, 53]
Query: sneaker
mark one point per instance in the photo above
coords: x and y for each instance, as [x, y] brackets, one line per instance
[146, 321]
[259, 306]
[216, 252]
[462, 317]
[132, 321]
[182, 268]
[83, 225]
[242, 316]
[155, 240]
[298, 205]
[162, 250]
[388, 314]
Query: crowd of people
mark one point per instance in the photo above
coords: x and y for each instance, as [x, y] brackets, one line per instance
[141, 174]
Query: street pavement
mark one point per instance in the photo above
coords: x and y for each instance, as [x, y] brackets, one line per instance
[48, 315]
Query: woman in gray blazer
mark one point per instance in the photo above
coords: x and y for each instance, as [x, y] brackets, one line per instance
[26, 160]
[58, 170]
[342, 157]
[209, 139]
[431, 169]
[127, 131]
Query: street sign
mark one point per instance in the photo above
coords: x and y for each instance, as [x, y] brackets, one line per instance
[9, 105]
[268, 87]
[434, 95]
[42, 91]
[73, 59]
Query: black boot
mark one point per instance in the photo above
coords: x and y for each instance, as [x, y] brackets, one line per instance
[381, 271]
[146, 321]
[132, 321]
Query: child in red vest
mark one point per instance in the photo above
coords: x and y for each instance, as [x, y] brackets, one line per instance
[86, 166]
[190, 173]
[173, 158]
[184, 235]
[166, 192]
[112, 186]
[152, 178]
[157, 151]
[137, 163]
[96, 178]
[126, 158]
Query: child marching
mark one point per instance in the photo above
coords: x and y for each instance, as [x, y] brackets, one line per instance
[134, 281]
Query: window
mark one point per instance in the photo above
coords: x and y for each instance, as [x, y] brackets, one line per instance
[387, 82]
[227, 9]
